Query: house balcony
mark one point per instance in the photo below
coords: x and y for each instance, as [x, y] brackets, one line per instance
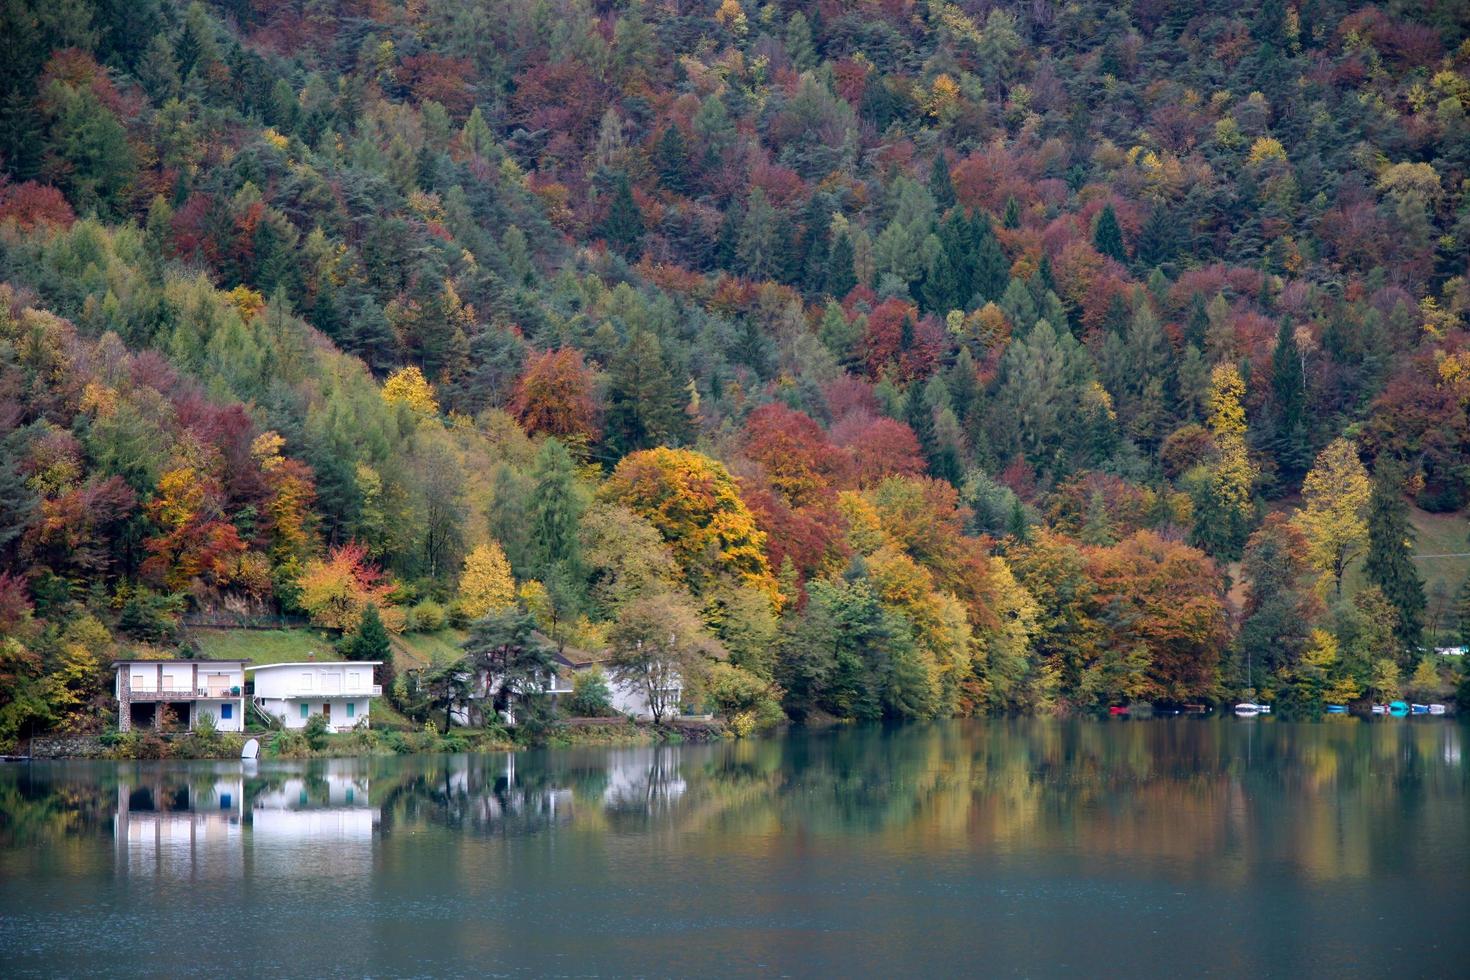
[317, 694]
[152, 692]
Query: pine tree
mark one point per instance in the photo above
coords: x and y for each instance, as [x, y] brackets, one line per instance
[1288, 405]
[556, 507]
[370, 640]
[1390, 562]
[941, 187]
[1012, 218]
[799, 47]
[992, 268]
[1107, 236]
[920, 418]
[623, 226]
[645, 403]
[840, 275]
[1197, 327]
[1158, 239]
[758, 245]
[671, 158]
[939, 290]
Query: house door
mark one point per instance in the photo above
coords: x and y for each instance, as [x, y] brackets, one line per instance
[327, 711]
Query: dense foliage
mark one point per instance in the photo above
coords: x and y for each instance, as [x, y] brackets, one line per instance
[936, 357]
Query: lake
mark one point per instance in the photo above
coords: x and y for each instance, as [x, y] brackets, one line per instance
[980, 847]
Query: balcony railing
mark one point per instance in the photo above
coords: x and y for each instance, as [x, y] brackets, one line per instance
[372, 690]
[152, 692]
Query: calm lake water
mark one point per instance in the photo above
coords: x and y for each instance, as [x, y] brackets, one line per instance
[1025, 847]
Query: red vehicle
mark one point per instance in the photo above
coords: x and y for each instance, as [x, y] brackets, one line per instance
[1117, 710]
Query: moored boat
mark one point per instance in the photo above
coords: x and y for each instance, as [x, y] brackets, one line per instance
[1436, 709]
[1337, 709]
[1399, 709]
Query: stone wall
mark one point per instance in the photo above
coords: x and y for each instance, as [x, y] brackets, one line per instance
[68, 747]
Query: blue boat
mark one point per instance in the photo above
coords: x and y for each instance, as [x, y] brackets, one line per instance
[1337, 709]
[1398, 709]
[1419, 709]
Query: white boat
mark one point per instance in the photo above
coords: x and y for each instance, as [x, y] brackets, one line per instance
[1380, 709]
[1436, 709]
[251, 750]
[1247, 709]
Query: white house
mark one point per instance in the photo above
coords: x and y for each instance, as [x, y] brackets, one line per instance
[191, 688]
[342, 691]
[623, 698]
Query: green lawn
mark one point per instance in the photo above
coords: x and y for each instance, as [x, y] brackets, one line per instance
[412, 651]
[1434, 534]
[266, 646]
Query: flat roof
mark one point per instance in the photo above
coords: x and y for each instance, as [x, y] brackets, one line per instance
[320, 663]
[120, 662]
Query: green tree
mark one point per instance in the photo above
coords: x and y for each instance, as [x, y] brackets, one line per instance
[1288, 444]
[657, 645]
[840, 278]
[645, 405]
[623, 226]
[369, 641]
[514, 660]
[1390, 562]
[1107, 235]
[941, 187]
[671, 159]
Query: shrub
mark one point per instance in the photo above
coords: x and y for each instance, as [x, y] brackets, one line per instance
[590, 697]
[315, 732]
[363, 737]
[739, 694]
[426, 617]
[289, 743]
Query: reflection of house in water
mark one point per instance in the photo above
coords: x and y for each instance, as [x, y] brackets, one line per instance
[486, 791]
[298, 814]
[646, 778]
[180, 825]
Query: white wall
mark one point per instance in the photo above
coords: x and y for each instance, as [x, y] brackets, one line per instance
[234, 723]
[312, 680]
[173, 676]
[289, 711]
[628, 699]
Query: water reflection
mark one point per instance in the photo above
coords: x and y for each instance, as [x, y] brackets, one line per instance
[1217, 799]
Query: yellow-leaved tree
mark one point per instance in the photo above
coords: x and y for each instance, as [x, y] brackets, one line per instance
[696, 506]
[408, 386]
[1225, 509]
[486, 584]
[1334, 514]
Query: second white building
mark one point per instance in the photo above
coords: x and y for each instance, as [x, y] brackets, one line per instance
[341, 691]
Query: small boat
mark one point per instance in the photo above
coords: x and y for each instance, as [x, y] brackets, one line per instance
[1195, 709]
[1249, 709]
[1337, 709]
[1399, 709]
[251, 750]
[1380, 709]
[1419, 709]
[1118, 710]
[1436, 709]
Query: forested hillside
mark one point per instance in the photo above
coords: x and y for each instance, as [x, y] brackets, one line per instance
[923, 358]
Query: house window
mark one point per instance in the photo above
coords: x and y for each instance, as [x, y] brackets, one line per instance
[227, 711]
[224, 801]
[305, 709]
[351, 709]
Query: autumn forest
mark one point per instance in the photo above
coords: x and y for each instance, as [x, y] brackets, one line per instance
[896, 358]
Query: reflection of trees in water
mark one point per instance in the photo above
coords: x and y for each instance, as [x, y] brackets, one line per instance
[1336, 799]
